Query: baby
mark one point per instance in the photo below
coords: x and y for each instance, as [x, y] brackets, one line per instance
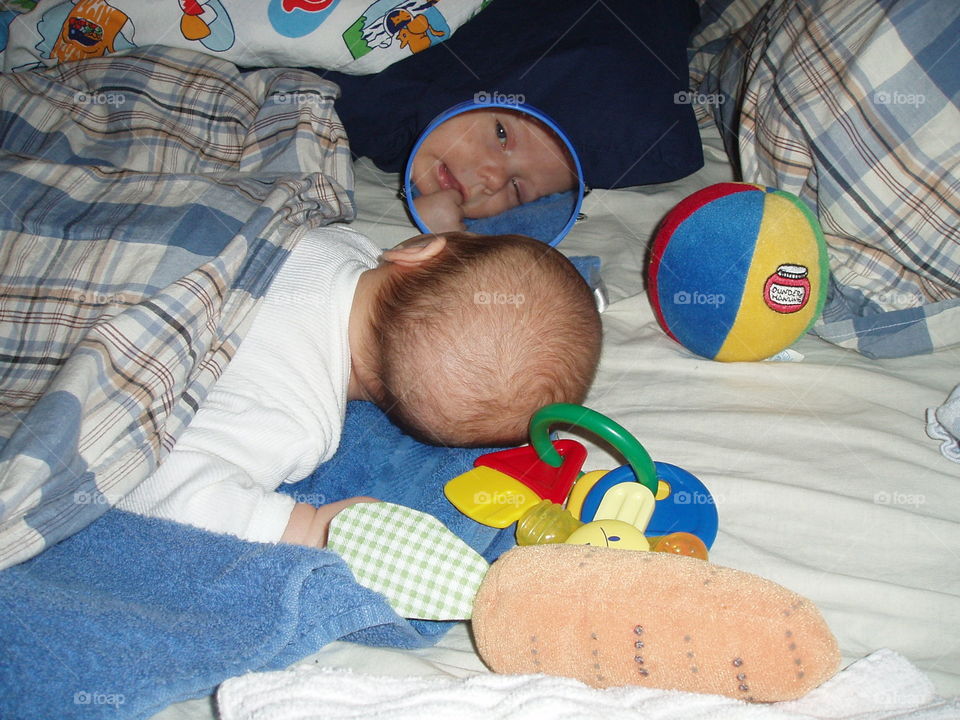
[483, 162]
[460, 338]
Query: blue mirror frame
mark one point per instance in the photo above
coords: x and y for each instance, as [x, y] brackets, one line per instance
[408, 189]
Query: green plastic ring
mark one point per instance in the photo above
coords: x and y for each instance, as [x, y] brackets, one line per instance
[600, 425]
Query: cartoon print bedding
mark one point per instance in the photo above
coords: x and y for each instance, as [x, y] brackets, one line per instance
[352, 36]
[147, 202]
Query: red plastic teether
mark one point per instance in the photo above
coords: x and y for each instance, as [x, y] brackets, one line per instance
[523, 464]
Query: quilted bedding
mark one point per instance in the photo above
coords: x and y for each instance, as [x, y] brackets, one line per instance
[822, 471]
[147, 202]
[855, 107]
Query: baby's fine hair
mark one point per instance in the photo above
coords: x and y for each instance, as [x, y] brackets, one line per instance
[482, 336]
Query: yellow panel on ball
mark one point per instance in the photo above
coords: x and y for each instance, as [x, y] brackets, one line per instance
[786, 284]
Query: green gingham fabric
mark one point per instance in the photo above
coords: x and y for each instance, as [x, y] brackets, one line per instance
[424, 570]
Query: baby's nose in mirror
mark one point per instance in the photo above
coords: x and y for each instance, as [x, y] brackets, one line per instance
[494, 176]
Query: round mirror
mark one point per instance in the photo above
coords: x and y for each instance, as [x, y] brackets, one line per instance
[494, 168]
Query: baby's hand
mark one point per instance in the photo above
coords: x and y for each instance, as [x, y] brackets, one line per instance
[308, 525]
[441, 211]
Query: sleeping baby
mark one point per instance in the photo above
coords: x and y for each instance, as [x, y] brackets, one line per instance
[459, 338]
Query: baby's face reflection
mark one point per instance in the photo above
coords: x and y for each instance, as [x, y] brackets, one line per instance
[488, 161]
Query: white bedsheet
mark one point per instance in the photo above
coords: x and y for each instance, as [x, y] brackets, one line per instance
[882, 686]
[823, 474]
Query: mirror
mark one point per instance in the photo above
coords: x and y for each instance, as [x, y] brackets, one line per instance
[495, 168]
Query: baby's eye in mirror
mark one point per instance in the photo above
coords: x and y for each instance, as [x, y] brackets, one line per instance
[501, 133]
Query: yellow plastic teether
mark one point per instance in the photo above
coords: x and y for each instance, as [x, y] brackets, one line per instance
[630, 502]
[546, 523]
[615, 534]
[490, 497]
[580, 488]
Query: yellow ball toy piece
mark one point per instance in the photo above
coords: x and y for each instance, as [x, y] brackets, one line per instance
[615, 534]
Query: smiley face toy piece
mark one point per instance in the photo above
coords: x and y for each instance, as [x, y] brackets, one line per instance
[615, 534]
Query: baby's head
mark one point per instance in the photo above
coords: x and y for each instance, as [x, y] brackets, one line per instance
[479, 333]
[483, 162]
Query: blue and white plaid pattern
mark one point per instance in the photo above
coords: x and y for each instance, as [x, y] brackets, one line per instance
[855, 107]
[145, 203]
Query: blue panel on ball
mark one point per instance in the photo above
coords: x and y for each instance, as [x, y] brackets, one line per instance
[704, 268]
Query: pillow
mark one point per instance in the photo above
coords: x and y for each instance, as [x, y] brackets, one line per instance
[613, 75]
[353, 36]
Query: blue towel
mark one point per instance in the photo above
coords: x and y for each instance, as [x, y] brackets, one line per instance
[132, 614]
[542, 219]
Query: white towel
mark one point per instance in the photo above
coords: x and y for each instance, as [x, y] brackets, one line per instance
[882, 686]
[943, 423]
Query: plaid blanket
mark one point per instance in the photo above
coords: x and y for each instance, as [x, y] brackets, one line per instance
[145, 202]
[854, 105]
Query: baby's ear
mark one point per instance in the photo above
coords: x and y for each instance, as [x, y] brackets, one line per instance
[416, 251]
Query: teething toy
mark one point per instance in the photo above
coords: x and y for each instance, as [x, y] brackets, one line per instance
[528, 485]
[680, 543]
[628, 502]
[546, 522]
[550, 480]
[583, 485]
[490, 497]
[617, 534]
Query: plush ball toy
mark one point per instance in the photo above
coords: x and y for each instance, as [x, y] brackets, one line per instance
[738, 271]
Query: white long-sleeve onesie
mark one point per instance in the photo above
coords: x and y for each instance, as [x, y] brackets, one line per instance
[277, 411]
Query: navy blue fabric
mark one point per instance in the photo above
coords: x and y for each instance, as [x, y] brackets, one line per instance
[608, 73]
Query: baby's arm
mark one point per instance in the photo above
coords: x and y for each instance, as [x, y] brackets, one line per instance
[206, 490]
[441, 211]
[309, 525]
[224, 469]
[213, 492]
